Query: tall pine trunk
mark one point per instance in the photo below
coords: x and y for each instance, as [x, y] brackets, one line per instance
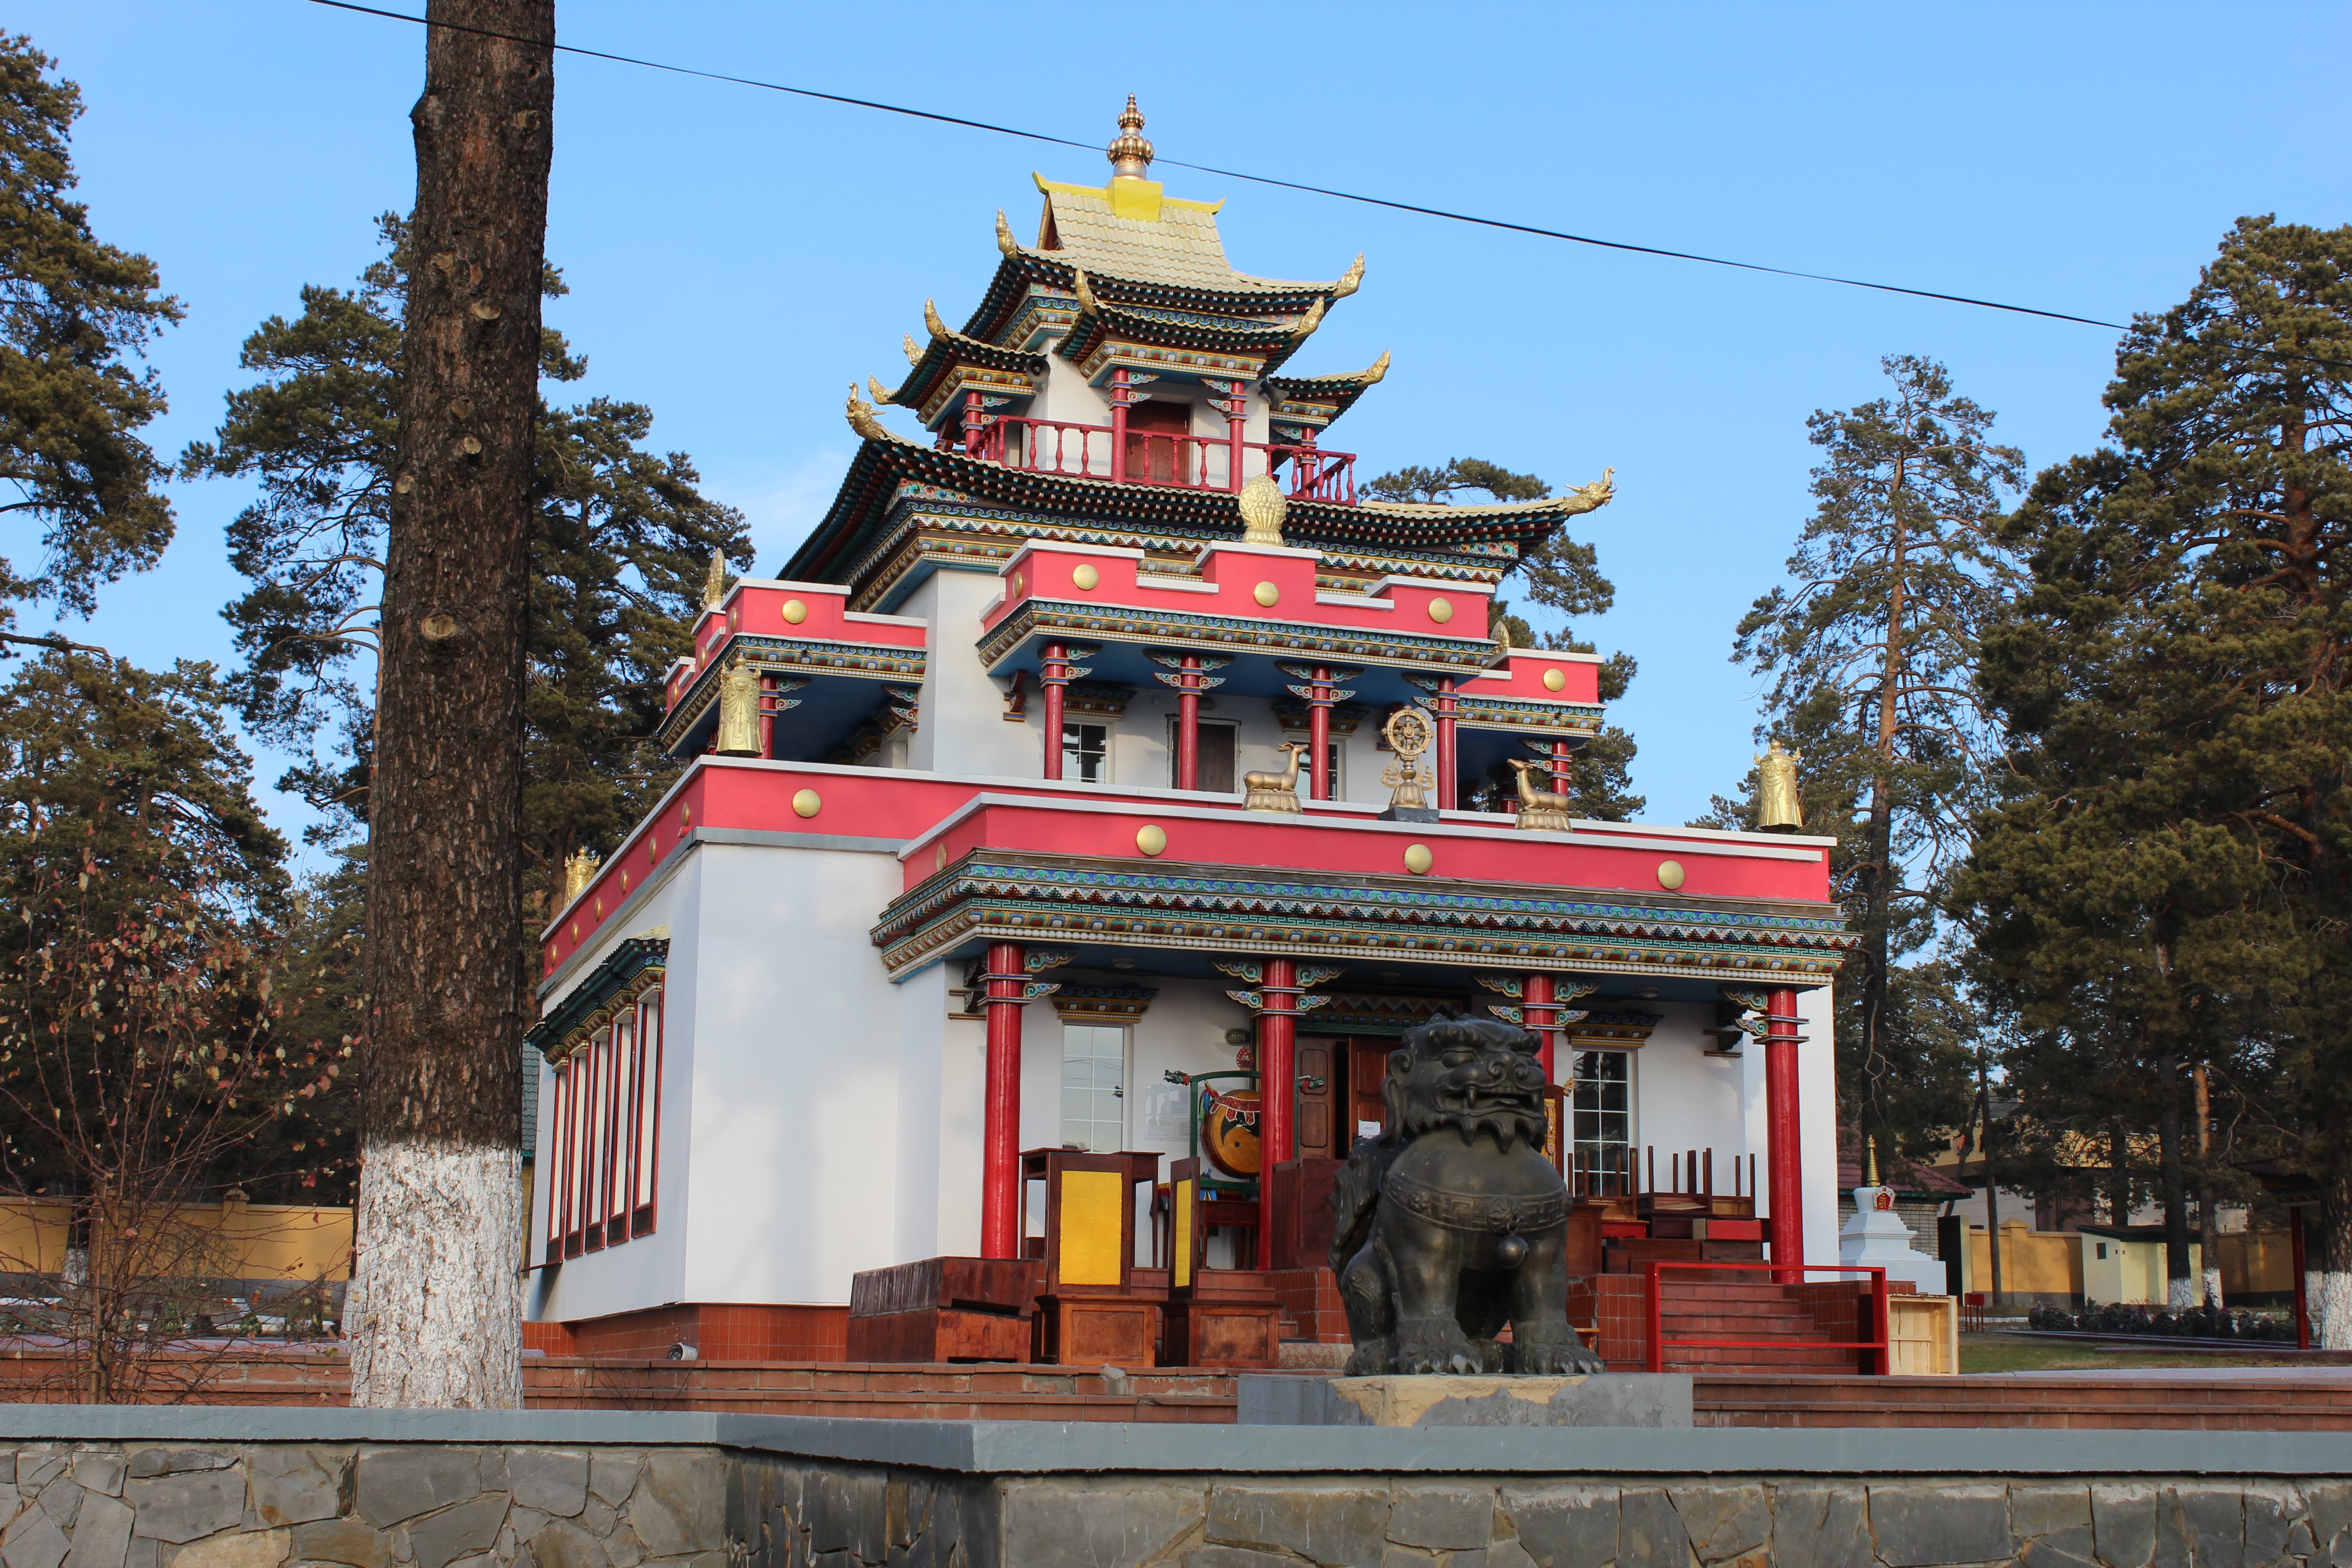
[435, 1318]
[2335, 1263]
[2208, 1223]
[2179, 1282]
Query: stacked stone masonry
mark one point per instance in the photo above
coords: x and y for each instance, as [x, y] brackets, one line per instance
[423, 1505]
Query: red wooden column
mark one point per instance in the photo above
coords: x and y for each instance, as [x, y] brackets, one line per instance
[1783, 1142]
[1055, 676]
[974, 423]
[1277, 1086]
[1319, 734]
[1119, 394]
[999, 1189]
[1449, 787]
[1188, 725]
[768, 717]
[1541, 1015]
[1560, 765]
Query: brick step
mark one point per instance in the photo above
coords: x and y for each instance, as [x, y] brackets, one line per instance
[2035, 1415]
[920, 1407]
[2086, 1395]
[1684, 1326]
[1717, 1358]
[1728, 1290]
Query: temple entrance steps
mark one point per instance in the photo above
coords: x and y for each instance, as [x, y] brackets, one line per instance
[1785, 1329]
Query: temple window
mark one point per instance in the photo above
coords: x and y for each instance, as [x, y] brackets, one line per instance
[1094, 1078]
[1218, 745]
[1086, 754]
[1601, 1091]
[606, 1133]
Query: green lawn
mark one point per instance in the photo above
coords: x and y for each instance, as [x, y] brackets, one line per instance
[2003, 1353]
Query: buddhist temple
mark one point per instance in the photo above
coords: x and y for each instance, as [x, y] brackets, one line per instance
[1088, 794]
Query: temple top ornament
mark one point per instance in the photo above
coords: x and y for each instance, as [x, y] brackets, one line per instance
[1778, 807]
[1130, 154]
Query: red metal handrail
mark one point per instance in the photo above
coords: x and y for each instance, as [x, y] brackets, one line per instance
[1882, 1347]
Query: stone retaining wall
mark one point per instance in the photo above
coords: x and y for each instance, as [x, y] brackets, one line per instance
[846, 1500]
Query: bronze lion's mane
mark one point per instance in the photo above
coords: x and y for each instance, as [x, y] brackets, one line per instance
[1415, 1109]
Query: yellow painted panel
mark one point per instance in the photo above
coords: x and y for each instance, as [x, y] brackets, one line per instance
[1091, 1202]
[1182, 1262]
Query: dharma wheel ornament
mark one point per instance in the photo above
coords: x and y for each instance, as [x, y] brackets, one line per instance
[1778, 808]
[1263, 510]
[1410, 735]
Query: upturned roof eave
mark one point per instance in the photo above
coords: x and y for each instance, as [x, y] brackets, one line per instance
[874, 472]
[1009, 288]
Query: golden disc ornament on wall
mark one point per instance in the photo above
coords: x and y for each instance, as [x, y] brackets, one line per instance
[1669, 875]
[1267, 595]
[1229, 1131]
[1086, 576]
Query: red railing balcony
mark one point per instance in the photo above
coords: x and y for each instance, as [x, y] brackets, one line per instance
[1158, 457]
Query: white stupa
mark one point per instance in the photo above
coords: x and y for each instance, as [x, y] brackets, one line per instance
[1876, 1236]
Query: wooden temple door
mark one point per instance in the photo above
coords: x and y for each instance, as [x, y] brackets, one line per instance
[1319, 1065]
[1156, 450]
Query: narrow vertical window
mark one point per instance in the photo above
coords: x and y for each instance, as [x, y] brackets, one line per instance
[619, 1143]
[598, 1094]
[555, 1158]
[1094, 1078]
[576, 1181]
[648, 1111]
[1086, 754]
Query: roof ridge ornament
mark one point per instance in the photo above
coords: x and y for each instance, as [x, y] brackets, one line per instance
[1088, 303]
[1130, 154]
[1004, 240]
[931, 319]
[880, 392]
[864, 418]
[1308, 322]
[1351, 280]
[1375, 371]
[914, 349]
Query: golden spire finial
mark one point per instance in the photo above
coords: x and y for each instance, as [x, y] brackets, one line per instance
[1130, 154]
[714, 582]
[1870, 1151]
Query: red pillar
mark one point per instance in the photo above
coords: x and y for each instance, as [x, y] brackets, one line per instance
[1188, 725]
[1055, 675]
[1318, 735]
[1277, 1066]
[1783, 1142]
[1119, 396]
[1234, 445]
[768, 717]
[2302, 1304]
[1449, 788]
[1000, 1188]
[973, 426]
[1535, 996]
[1559, 767]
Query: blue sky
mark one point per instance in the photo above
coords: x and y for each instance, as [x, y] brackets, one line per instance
[737, 257]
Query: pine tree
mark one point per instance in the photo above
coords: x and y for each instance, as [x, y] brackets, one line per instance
[2180, 679]
[1869, 658]
[620, 542]
[1561, 576]
[73, 311]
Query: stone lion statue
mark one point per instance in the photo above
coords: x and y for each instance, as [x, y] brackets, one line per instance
[1453, 1222]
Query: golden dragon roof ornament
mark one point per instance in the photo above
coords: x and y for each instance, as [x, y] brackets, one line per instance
[914, 349]
[1309, 322]
[1351, 280]
[866, 419]
[1004, 240]
[1088, 303]
[880, 393]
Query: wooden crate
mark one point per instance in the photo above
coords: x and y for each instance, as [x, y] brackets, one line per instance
[1093, 1331]
[943, 1308]
[1922, 1336]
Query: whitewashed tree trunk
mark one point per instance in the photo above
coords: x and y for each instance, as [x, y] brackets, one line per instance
[434, 1317]
[2181, 1294]
[2336, 1310]
[2213, 1286]
[2314, 1283]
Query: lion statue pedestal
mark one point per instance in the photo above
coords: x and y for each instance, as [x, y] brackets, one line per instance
[1452, 1223]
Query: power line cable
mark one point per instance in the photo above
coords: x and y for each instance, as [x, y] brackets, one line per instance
[1445, 214]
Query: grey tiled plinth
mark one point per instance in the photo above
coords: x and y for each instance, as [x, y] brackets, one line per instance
[1613, 1399]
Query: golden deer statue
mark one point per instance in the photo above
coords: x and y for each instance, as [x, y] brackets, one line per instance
[1275, 792]
[1540, 810]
